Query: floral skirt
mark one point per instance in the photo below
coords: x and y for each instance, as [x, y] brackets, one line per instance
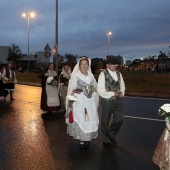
[74, 130]
[161, 156]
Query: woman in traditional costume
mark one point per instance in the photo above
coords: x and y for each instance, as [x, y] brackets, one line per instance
[161, 156]
[3, 92]
[85, 120]
[63, 84]
[49, 96]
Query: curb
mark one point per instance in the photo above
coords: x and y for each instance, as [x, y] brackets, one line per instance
[29, 84]
[144, 94]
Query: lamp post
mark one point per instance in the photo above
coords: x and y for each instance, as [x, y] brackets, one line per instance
[28, 15]
[109, 34]
[55, 57]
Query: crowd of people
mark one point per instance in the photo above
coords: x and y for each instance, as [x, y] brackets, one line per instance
[81, 115]
[78, 93]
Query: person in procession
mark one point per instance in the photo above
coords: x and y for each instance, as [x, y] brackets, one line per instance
[9, 77]
[111, 89]
[161, 155]
[63, 84]
[49, 96]
[3, 92]
[82, 115]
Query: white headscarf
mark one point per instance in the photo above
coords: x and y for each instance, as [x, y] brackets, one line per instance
[73, 80]
[77, 68]
[66, 74]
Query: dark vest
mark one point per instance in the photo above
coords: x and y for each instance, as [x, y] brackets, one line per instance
[110, 83]
[8, 74]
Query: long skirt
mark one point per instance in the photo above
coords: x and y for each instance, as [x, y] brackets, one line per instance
[161, 156]
[44, 105]
[74, 130]
[3, 92]
[63, 96]
[9, 86]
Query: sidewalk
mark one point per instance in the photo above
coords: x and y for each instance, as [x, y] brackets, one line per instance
[137, 94]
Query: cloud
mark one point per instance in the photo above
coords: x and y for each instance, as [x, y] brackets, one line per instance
[139, 28]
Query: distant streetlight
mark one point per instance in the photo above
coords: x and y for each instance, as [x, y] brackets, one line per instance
[109, 34]
[28, 15]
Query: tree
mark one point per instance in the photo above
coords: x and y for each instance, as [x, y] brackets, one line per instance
[14, 54]
[71, 60]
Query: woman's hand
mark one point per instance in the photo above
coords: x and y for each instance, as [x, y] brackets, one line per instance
[77, 91]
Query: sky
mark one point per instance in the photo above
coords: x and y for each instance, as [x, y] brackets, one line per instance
[139, 27]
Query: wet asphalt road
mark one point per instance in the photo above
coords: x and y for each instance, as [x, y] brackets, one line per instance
[27, 142]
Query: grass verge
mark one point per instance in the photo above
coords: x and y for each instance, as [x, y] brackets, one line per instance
[134, 81]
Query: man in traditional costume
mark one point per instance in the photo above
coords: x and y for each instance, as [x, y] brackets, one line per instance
[82, 85]
[111, 89]
[9, 77]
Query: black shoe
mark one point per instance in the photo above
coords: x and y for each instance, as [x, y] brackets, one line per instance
[12, 99]
[113, 141]
[84, 144]
[50, 113]
[87, 142]
[107, 144]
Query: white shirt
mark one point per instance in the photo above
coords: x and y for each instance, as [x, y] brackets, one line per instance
[101, 89]
[10, 74]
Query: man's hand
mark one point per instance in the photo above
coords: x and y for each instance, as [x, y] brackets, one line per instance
[118, 94]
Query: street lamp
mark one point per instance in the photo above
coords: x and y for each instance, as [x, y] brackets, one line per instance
[109, 34]
[28, 15]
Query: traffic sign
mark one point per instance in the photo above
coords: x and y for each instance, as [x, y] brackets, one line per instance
[47, 50]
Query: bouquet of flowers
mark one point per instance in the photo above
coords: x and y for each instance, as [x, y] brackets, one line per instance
[164, 110]
[51, 81]
[71, 100]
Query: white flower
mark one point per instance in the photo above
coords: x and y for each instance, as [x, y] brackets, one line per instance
[72, 98]
[166, 107]
[49, 79]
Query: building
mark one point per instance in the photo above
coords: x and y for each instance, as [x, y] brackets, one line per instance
[4, 54]
[36, 59]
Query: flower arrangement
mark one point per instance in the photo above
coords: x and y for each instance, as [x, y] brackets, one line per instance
[164, 110]
[51, 81]
[71, 100]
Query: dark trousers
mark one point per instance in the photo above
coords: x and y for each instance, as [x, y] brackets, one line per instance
[114, 107]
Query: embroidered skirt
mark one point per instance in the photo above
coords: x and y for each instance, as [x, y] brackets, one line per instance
[161, 156]
[74, 130]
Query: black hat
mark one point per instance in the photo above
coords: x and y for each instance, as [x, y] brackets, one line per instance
[112, 61]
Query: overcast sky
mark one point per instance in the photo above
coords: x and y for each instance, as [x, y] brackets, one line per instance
[139, 27]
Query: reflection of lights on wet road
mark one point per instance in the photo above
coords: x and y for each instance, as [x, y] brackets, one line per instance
[29, 110]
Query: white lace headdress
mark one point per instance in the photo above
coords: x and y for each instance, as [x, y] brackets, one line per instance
[73, 80]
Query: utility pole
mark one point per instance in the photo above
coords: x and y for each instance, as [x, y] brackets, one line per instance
[55, 58]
